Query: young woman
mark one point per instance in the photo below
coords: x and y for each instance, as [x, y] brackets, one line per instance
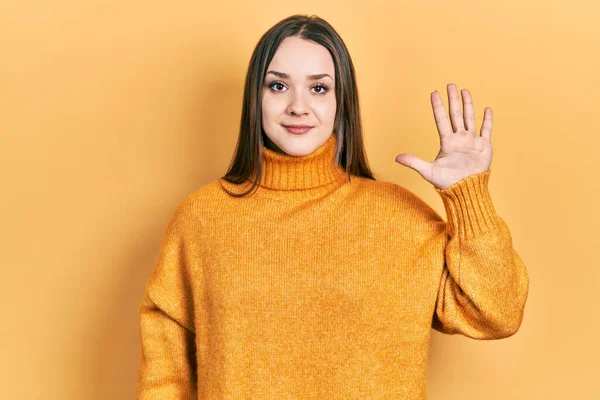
[297, 275]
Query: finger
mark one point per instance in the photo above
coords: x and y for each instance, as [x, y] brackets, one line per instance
[469, 111]
[439, 114]
[486, 126]
[454, 107]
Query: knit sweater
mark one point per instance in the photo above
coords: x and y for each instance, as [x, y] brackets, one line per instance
[317, 286]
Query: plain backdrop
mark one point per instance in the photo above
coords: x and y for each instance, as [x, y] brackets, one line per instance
[112, 112]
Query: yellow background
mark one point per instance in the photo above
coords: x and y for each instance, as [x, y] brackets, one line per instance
[112, 112]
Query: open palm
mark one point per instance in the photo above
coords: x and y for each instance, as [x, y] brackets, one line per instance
[463, 152]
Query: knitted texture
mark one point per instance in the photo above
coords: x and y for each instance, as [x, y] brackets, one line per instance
[317, 286]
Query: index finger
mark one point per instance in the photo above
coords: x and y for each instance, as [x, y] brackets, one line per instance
[439, 113]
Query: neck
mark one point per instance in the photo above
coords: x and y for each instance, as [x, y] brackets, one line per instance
[282, 171]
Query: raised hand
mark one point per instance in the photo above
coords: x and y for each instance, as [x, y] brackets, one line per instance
[463, 152]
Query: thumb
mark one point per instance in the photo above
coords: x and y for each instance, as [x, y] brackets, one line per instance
[414, 162]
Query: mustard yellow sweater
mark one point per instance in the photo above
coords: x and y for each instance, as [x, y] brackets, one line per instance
[316, 287]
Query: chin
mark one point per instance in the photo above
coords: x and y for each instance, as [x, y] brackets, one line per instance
[298, 145]
[296, 149]
[301, 145]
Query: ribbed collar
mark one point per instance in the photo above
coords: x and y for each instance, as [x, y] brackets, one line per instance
[286, 172]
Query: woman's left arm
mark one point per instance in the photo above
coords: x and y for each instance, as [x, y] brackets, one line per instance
[484, 284]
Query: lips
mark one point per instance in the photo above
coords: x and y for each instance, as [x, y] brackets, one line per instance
[297, 129]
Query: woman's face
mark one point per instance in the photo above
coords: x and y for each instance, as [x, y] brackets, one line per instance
[291, 96]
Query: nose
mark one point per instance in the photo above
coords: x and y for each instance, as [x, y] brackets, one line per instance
[298, 104]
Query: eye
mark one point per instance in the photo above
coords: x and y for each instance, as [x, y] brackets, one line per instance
[324, 89]
[272, 85]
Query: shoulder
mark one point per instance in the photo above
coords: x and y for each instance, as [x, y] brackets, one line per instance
[207, 193]
[196, 204]
[400, 199]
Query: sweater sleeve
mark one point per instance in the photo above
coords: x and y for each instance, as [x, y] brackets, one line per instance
[167, 368]
[484, 283]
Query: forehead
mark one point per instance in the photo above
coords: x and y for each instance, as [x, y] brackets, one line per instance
[298, 58]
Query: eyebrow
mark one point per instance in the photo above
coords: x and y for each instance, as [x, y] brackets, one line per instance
[313, 77]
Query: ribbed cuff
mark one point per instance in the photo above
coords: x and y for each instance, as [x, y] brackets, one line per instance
[469, 206]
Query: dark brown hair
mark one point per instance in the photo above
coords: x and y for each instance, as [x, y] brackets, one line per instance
[350, 155]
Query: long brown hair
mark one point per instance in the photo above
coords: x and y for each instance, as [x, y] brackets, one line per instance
[350, 155]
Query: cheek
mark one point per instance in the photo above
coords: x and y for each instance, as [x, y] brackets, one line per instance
[326, 109]
[272, 108]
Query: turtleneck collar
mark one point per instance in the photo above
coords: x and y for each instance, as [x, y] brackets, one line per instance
[286, 172]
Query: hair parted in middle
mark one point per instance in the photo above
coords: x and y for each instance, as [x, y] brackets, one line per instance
[246, 163]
